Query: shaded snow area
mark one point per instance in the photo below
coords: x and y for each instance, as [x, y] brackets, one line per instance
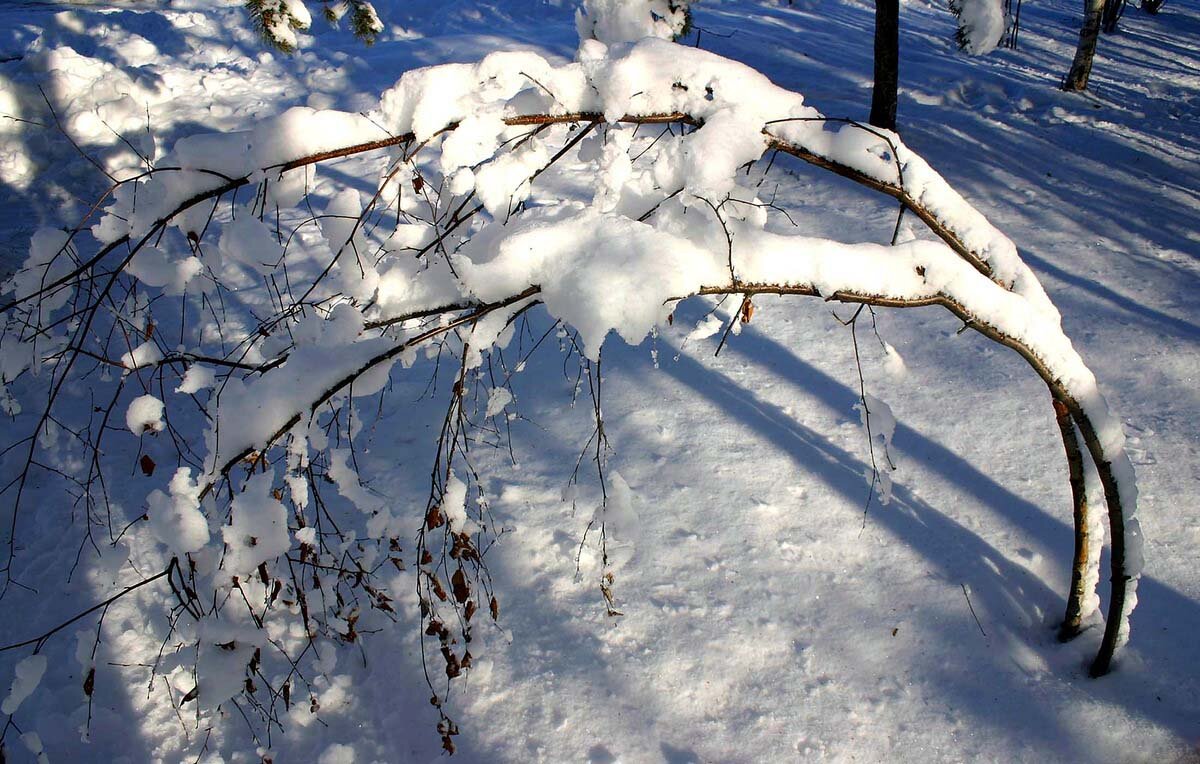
[804, 531]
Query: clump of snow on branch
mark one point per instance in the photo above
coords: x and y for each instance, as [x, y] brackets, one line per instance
[195, 379]
[620, 522]
[279, 20]
[599, 273]
[879, 423]
[155, 268]
[46, 263]
[616, 21]
[27, 676]
[175, 517]
[259, 530]
[981, 24]
[145, 354]
[145, 414]
[1090, 603]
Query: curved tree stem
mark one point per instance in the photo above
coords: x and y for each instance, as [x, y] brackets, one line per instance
[1071, 625]
[1102, 460]
[1116, 531]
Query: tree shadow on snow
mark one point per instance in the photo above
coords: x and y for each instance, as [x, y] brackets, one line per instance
[1146, 681]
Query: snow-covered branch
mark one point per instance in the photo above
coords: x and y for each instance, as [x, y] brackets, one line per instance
[250, 317]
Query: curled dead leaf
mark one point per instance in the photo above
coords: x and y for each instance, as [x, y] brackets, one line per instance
[747, 310]
[434, 518]
[462, 590]
[438, 591]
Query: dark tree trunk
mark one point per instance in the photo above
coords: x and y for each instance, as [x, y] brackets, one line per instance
[887, 63]
[1081, 67]
[1113, 10]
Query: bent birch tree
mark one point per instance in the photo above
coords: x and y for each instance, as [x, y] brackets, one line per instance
[208, 302]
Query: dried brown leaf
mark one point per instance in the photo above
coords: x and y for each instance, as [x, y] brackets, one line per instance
[434, 518]
[747, 310]
[462, 590]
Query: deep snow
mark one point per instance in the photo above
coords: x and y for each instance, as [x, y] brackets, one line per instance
[762, 619]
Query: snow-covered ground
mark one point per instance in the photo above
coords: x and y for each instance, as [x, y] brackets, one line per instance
[766, 617]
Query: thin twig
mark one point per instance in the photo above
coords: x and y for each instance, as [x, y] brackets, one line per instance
[972, 607]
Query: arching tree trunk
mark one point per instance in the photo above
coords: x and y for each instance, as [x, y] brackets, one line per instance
[887, 63]
[1081, 565]
[1081, 67]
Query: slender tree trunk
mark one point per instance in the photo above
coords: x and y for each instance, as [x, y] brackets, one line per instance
[887, 63]
[1081, 588]
[1113, 9]
[1081, 67]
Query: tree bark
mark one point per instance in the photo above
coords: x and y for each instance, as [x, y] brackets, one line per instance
[1072, 623]
[1113, 9]
[1081, 67]
[887, 63]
